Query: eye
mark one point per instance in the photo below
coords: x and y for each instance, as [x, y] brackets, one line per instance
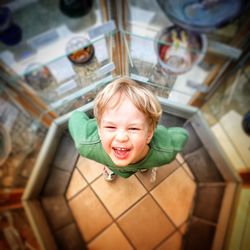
[134, 129]
[110, 127]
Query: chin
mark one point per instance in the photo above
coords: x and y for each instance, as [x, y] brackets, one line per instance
[121, 163]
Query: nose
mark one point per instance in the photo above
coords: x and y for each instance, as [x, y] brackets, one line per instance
[121, 135]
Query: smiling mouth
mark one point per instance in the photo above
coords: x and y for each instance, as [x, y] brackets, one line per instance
[121, 153]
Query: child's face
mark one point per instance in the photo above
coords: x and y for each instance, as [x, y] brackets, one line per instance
[124, 132]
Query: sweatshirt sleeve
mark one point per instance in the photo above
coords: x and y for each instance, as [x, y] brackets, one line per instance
[77, 125]
[179, 137]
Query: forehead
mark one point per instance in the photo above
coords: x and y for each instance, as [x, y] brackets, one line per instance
[121, 108]
[117, 100]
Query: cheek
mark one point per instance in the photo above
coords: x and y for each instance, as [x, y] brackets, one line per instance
[140, 142]
[105, 139]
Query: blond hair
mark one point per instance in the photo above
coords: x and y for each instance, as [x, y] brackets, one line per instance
[143, 99]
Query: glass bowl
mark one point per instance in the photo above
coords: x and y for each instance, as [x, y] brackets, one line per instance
[38, 76]
[79, 50]
[178, 49]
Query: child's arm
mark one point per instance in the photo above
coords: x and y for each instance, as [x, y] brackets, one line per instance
[81, 128]
[85, 135]
[76, 124]
[179, 137]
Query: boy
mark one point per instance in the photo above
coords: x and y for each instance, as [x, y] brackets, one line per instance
[124, 135]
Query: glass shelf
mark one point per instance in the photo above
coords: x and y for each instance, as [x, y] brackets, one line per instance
[60, 80]
[43, 23]
[143, 65]
[143, 22]
[42, 60]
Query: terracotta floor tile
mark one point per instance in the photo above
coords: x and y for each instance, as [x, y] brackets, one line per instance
[89, 213]
[162, 173]
[77, 183]
[111, 239]
[174, 242]
[175, 195]
[90, 169]
[145, 224]
[120, 194]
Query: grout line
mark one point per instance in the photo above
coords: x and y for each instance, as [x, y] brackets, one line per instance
[115, 220]
[61, 169]
[81, 190]
[183, 224]
[211, 184]
[90, 187]
[89, 182]
[176, 227]
[156, 177]
[67, 186]
[164, 212]
[72, 222]
[124, 234]
[131, 206]
[211, 223]
[165, 239]
[99, 233]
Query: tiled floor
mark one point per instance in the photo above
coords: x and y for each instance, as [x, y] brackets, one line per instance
[132, 213]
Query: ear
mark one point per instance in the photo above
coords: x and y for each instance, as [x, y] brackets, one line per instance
[98, 129]
[150, 134]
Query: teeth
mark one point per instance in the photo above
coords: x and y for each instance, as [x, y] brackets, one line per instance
[122, 149]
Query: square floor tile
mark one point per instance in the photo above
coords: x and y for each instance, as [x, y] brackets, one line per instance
[89, 213]
[57, 211]
[111, 238]
[56, 183]
[90, 169]
[176, 196]
[203, 166]
[145, 224]
[120, 194]
[200, 235]
[174, 242]
[161, 174]
[193, 142]
[70, 238]
[209, 196]
[77, 183]
[66, 154]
